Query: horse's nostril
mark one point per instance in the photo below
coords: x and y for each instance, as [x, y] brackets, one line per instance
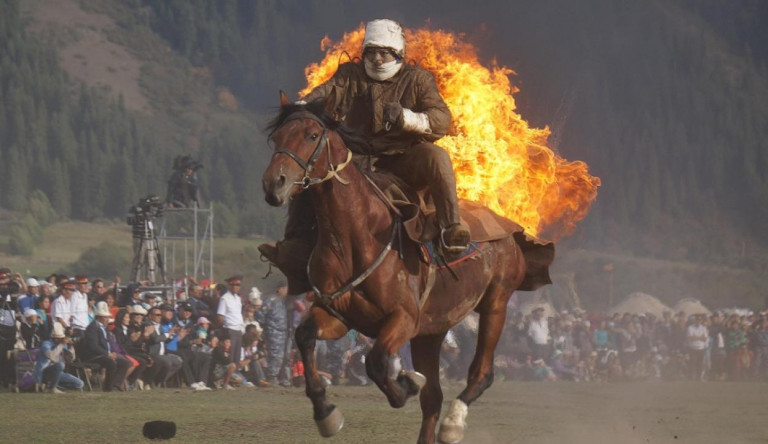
[281, 181]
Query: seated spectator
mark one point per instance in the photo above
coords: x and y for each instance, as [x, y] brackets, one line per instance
[165, 365]
[49, 366]
[203, 326]
[122, 333]
[195, 365]
[223, 367]
[251, 366]
[96, 348]
[562, 369]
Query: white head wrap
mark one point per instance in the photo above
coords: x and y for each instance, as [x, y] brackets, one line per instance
[384, 33]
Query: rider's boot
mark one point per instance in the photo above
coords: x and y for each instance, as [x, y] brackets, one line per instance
[454, 235]
[291, 257]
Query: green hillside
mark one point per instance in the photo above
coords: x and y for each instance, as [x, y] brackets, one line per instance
[664, 99]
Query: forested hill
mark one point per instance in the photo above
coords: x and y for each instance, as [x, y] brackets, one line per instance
[664, 99]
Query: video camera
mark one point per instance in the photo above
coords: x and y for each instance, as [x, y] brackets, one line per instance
[148, 208]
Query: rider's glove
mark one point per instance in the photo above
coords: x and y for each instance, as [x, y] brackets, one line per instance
[393, 115]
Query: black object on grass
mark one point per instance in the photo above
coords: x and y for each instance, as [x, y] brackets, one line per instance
[159, 429]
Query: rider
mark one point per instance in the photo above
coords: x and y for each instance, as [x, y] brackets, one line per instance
[398, 108]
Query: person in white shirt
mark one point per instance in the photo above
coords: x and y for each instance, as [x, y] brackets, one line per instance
[698, 340]
[230, 313]
[79, 303]
[538, 333]
[61, 310]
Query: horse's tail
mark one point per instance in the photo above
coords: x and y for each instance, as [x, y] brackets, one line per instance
[538, 257]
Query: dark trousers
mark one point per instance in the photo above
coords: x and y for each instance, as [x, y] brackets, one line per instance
[195, 366]
[115, 370]
[236, 338]
[7, 365]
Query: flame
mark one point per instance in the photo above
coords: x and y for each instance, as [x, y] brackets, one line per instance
[499, 160]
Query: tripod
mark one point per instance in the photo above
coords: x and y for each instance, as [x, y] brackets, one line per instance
[146, 253]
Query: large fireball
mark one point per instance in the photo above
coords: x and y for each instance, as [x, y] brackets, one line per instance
[499, 160]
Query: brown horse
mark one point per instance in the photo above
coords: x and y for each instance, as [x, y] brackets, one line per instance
[369, 279]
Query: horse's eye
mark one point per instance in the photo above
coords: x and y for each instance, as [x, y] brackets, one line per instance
[314, 136]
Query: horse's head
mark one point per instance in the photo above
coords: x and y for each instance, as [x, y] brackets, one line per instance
[302, 141]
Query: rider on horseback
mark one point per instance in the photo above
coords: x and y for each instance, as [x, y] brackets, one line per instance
[398, 108]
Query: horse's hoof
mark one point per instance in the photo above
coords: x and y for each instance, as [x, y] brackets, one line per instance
[450, 434]
[331, 424]
[415, 381]
[453, 425]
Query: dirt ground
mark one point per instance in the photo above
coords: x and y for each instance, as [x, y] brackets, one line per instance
[630, 413]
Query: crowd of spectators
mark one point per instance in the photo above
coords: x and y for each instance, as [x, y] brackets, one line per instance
[580, 346]
[69, 330]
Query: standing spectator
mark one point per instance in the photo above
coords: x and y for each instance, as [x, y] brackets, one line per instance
[32, 333]
[49, 366]
[194, 299]
[760, 336]
[538, 332]
[698, 341]
[80, 307]
[61, 311]
[29, 299]
[96, 348]
[736, 345]
[601, 336]
[230, 314]
[717, 340]
[273, 318]
[7, 325]
[44, 313]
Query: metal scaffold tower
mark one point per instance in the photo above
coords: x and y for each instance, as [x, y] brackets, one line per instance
[186, 240]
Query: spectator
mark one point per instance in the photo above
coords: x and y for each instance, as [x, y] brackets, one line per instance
[80, 307]
[195, 365]
[760, 365]
[164, 365]
[736, 346]
[62, 310]
[230, 313]
[273, 317]
[122, 333]
[32, 333]
[203, 325]
[194, 299]
[698, 341]
[49, 366]
[224, 369]
[538, 332]
[96, 348]
[44, 313]
[29, 299]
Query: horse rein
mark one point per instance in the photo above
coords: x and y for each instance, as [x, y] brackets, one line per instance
[309, 165]
[327, 299]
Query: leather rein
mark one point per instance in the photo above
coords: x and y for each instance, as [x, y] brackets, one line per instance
[327, 299]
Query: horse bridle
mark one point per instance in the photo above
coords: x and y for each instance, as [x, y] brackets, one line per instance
[309, 165]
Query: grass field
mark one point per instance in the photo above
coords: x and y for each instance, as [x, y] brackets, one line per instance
[632, 413]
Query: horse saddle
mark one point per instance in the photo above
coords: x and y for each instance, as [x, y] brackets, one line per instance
[419, 219]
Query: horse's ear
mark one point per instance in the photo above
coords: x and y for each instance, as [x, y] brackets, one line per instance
[329, 104]
[284, 101]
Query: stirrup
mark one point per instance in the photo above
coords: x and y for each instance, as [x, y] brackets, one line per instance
[451, 248]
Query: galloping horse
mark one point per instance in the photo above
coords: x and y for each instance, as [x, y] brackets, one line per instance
[368, 278]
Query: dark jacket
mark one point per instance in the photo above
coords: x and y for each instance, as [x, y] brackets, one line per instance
[412, 87]
[94, 342]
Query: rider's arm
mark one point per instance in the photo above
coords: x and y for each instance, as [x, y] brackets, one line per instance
[431, 115]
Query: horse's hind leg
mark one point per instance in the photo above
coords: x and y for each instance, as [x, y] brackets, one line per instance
[425, 351]
[327, 417]
[492, 318]
[383, 365]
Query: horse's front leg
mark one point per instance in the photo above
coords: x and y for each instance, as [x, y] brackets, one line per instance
[383, 364]
[319, 325]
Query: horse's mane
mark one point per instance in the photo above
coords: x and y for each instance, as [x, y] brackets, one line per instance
[354, 139]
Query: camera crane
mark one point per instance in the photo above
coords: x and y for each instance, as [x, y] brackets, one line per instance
[146, 250]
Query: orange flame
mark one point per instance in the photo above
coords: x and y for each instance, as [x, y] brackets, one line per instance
[499, 160]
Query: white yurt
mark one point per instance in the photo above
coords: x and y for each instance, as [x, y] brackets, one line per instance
[528, 307]
[691, 306]
[640, 303]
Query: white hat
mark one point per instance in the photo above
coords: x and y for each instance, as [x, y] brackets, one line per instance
[30, 312]
[255, 296]
[32, 282]
[58, 331]
[385, 33]
[138, 309]
[102, 309]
